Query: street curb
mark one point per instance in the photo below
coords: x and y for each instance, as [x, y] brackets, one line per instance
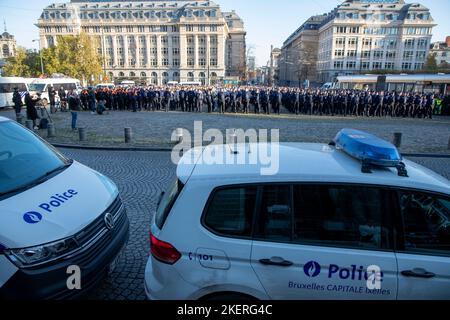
[426, 155]
[156, 149]
[71, 146]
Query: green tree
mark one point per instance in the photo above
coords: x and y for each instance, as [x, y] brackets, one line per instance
[431, 64]
[75, 56]
[25, 63]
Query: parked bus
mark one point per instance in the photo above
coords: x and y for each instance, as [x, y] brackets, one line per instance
[41, 86]
[7, 85]
[422, 83]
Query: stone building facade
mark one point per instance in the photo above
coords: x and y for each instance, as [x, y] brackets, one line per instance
[357, 37]
[153, 42]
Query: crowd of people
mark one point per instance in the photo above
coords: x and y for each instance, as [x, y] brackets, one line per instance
[266, 100]
[250, 99]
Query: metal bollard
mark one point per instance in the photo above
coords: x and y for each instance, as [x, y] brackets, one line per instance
[51, 132]
[82, 134]
[397, 139]
[29, 124]
[19, 118]
[128, 135]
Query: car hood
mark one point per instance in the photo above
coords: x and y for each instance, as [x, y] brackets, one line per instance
[55, 209]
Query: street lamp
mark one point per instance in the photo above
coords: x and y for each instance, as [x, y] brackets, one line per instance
[40, 55]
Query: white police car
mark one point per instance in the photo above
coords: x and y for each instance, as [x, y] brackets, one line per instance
[349, 220]
[55, 213]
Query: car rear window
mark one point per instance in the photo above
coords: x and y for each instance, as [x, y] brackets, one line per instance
[230, 211]
[166, 203]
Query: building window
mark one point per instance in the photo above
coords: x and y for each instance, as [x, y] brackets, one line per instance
[338, 64]
[406, 66]
[422, 43]
[176, 62]
[352, 41]
[409, 43]
[213, 62]
[378, 54]
[189, 28]
[340, 41]
[141, 29]
[391, 55]
[164, 40]
[190, 50]
[175, 29]
[365, 54]
[175, 51]
[351, 53]
[419, 66]
[351, 64]
[367, 42]
[165, 62]
[213, 28]
[202, 62]
[377, 65]
[421, 55]
[408, 55]
[353, 29]
[165, 51]
[365, 65]
[391, 44]
[339, 53]
[154, 62]
[190, 62]
[389, 66]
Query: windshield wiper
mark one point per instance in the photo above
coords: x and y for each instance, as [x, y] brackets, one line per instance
[51, 172]
[37, 181]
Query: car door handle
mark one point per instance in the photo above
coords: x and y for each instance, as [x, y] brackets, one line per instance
[276, 261]
[418, 273]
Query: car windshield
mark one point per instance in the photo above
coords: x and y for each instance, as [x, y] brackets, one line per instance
[38, 87]
[25, 159]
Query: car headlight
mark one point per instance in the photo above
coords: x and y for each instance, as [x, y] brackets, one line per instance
[32, 256]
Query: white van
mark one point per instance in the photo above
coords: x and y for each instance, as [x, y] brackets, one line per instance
[7, 85]
[105, 85]
[57, 216]
[127, 83]
[41, 86]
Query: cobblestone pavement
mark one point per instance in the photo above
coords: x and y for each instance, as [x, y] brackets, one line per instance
[141, 176]
[155, 128]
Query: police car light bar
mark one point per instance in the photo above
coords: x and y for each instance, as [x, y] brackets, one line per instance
[370, 150]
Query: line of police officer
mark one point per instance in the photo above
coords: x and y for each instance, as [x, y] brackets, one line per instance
[266, 100]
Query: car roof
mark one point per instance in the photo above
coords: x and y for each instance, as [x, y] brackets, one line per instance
[305, 162]
[3, 119]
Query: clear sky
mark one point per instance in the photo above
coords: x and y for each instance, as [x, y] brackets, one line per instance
[267, 21]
